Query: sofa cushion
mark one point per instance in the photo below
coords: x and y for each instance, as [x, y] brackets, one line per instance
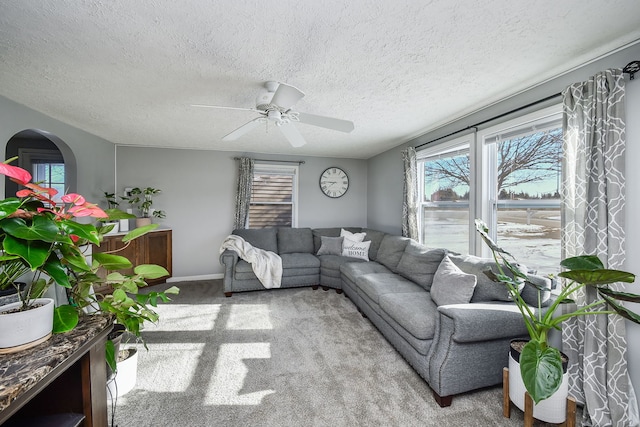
[355, 249]
[355, 270]
[330, 246]
[391, 250]
[375, 285]
[335, 262]
[375, 237]
[295, 240]
[414, 311]
[530, 291]
[263, 238]
[299, 260]
[419, 263]
[452, 285]
[486, 289]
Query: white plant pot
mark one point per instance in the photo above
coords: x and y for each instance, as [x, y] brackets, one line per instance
[115, 229]
[125, 378]
[551, 410]
[24, 329]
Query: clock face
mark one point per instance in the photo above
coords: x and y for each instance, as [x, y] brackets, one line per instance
[334, 182]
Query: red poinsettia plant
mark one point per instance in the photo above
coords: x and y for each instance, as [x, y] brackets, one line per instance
[43, 236]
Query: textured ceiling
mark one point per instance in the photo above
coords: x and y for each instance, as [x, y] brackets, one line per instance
[128, 71]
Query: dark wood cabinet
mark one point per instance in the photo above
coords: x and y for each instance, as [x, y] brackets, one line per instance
[152, 248]
[65, 375]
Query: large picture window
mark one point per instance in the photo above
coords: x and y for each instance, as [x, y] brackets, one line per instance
[509, 175]
[273, 197]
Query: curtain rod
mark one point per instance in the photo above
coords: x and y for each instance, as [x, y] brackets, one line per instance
[300, 162]
[499, 116]
[631, 68]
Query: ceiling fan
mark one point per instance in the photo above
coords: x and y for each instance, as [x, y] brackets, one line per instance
[274, 105]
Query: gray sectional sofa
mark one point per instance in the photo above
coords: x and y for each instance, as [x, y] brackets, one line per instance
[455, 347]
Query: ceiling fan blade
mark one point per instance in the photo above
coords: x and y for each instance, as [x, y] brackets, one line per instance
[292, 134]
[286, 96]
[326, 122]
[245, 128]
[224, 108]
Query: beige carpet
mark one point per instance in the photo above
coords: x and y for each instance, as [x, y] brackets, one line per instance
[292, 357]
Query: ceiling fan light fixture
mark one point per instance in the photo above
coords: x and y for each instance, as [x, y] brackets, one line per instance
[274, 115]
[275, 105]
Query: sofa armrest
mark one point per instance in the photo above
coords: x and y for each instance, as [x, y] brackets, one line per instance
[228, 259]
[471, 345]
[483, 321]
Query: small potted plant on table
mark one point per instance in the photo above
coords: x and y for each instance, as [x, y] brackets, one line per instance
[42, 236]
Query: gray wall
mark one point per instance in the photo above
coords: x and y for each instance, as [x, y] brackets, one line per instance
[94, 155]
[384, 199]
[198, 196]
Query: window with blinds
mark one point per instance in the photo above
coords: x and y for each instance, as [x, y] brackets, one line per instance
[273, 197]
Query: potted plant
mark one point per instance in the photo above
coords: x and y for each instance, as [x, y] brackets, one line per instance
[541, 365]
[44, 238]
[142, 200]
[112, 205]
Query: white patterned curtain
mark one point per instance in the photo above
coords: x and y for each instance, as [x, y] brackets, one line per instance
[593, 223]
[410, 194]
[243, 193]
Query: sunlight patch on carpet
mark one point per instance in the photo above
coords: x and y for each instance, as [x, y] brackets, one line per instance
[161, 358]
[248, 317]
[180, 317]
[231, 373]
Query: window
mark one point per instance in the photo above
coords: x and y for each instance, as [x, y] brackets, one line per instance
[47, 168]
[522, 185]
[273, 198]
[509, 175]
[444, 189]
[50, 175]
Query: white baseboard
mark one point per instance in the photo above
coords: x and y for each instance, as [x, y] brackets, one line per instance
[193, 278]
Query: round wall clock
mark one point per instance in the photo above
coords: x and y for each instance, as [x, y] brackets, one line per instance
[334, 182]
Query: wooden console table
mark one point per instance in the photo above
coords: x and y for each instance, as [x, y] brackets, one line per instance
[66, 374]
[154, 247]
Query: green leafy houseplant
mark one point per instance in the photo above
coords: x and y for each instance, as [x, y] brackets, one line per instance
[541, 364]
[42, 236]
[142, 200]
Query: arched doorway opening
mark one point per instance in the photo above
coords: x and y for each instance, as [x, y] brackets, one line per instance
[47, 157]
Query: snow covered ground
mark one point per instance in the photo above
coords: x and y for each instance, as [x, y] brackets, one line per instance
[534, 240]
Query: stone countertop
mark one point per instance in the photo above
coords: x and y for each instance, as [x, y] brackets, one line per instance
[21, 371]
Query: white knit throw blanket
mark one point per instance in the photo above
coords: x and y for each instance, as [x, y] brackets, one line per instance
[266, 265]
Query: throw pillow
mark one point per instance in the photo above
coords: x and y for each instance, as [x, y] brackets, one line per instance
[356, 249]
[530, 291]
[451, 285]
[355, 237]
[330, 245]
[486, 289]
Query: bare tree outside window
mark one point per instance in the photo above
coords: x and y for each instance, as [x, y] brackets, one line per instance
[526, 203]
[529, 159]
